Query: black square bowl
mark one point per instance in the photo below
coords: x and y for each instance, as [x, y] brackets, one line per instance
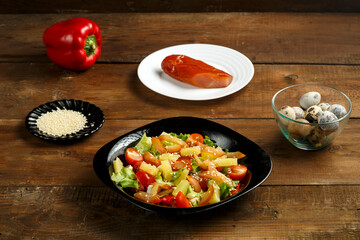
[259, 162]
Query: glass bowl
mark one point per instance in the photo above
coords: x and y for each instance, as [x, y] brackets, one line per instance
[310, 135]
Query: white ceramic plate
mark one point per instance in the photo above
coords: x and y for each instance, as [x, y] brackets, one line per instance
[223, 58]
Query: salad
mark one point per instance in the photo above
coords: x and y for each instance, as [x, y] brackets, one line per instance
[180, 170]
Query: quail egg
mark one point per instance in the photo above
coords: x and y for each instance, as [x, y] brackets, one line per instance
[299, 113]
[316, 136]
[325, 106]
[338, 110]
[309, 99]
[298, 130]
[288, 112]
[328, 117]
[312, 113]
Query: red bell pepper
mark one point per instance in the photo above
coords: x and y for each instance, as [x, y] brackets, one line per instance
[73, 44]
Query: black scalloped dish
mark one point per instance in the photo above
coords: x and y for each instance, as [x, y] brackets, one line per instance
[259, 162]
[94, 115]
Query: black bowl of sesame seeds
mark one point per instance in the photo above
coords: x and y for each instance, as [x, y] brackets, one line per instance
[64, 120]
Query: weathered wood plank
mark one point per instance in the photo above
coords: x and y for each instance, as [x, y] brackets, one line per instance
[263, 37]
[117, 90]
[288, 212]
[110, 6]
[27, 160]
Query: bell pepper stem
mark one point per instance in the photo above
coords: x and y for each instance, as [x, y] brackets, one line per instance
[90, 45]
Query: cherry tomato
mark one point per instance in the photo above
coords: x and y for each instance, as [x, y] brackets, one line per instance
[181, 201]
[181, 163]
[242, 184]
[149, 158]
[144, 178]
[132, 156]
[237, 172]
[195, 139]
[168, 200]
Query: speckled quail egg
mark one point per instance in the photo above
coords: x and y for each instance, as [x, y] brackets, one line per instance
[312, 113]
[325, 106]
[288, 112]
[328, 117]
[338, 110]
[316, 136]
[309, 99]
[298, 130]
[299, 112]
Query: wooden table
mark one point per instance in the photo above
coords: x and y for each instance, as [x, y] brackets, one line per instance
[50, 191]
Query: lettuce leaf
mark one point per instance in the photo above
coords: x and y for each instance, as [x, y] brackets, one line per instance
[158, 176]
[181, 136]
[125, 178]
[209, 142]
[177, 174]
[195, 201]
[144, 144]
[159, 179]
[194, 166]
[226, 189]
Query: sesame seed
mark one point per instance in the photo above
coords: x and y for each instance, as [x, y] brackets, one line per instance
[61, 122]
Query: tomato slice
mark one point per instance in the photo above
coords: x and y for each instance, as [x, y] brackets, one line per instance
[181, 201]
[149, 158]
[168, 200]
[181, 163]
[144, 178]
[237, 172]
[132, 156]
[195, 139]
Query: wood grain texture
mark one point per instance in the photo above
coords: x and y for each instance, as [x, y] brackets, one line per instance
[110, 6]
[28, 161]
[263, 37]
[298, 212]
[50, 191]
[117, 90]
